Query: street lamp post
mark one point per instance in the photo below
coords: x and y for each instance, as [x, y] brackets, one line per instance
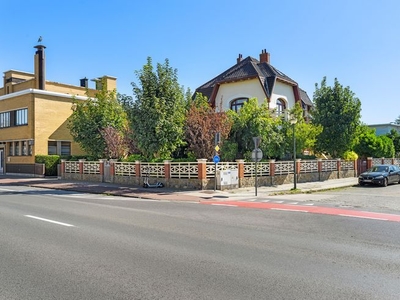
[293, 121]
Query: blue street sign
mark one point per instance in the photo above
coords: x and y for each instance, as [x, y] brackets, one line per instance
[216, 159]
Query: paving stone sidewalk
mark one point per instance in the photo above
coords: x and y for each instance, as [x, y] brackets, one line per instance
[241, 194]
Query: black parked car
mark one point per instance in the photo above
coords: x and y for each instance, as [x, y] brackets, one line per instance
[381, 175]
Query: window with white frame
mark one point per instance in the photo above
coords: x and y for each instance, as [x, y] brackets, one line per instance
[25, 148]
[21, 117]
[5, 119]
[280, 107]
[17, 148]
[11, 149]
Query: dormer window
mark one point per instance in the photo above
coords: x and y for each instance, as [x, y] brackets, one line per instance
[238, 103]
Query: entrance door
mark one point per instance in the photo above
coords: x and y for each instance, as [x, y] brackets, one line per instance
[1, 161]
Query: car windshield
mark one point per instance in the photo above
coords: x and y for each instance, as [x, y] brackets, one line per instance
[380, 169]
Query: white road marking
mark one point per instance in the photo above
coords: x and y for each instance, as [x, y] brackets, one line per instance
[278, 201]
[8, 190]
[284, 209]
[363, 217]
[265, 201]
[50, 221]
[220, 204]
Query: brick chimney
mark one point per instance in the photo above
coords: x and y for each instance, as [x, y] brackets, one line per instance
[264, 56]
[40, 67]
[239, 59]
[84, 82]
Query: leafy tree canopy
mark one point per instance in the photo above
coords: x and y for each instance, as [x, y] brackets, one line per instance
[91, 116]
[306, 134]
[338, 111]
[370, 145]
[158, 114]
[395, 137]
[254, 120]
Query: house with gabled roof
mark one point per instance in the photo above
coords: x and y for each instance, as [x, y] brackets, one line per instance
[252, 78]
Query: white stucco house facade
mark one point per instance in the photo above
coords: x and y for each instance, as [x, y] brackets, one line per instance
[252, 78]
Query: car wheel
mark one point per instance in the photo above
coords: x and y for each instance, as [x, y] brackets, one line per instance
[362, 183]
[385, 182]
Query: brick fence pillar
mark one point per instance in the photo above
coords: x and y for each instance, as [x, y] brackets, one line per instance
[338, 167]
[202, 175]
[81, 161]
[240, 164]
[62, 171]
[272, 167]
[167, 169]
[369, 163]
[298, 166]
[355, 166]
[101, 169]
[319, 166]
[137, 168]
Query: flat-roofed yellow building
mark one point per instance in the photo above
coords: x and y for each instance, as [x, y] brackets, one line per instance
[34, 113]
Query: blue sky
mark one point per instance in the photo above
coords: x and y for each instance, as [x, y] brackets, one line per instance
[355, 41]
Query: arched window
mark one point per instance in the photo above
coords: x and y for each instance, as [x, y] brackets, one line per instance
[238, 103]
[280, 107]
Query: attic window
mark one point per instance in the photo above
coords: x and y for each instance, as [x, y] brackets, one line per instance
[238, 103]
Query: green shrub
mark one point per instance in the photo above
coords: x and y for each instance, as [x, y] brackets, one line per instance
[229, 151]
[50, 163]
[134, 157]
[350, 155]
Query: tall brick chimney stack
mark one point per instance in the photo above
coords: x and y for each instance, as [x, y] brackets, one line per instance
[264, 56]
[239, 59]
[40, 67]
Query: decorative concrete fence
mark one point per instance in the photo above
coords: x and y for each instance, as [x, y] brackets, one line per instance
[203, 175]
[382, 161]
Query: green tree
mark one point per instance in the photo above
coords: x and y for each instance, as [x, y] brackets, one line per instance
[158, 114]
[395, 137]
[306, 134]
[370, 145]
[255, 120]
[90, 117]
[338, 111]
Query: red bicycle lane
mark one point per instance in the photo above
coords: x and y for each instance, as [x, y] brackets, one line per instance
[308, 209]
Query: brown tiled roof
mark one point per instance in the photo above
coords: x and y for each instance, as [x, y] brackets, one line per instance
[304, 97]
[249, 68]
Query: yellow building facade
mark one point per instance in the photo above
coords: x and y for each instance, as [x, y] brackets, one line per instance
[34, 113]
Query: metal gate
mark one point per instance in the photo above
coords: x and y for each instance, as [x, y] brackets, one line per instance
[107, 174]
[361, 165]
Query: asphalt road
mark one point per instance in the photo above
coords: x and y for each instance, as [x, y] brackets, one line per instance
[370, 197]
[59, 245]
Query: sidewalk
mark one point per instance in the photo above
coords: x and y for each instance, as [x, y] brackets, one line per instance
[241, 194]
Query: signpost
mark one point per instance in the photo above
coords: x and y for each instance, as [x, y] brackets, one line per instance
[256, 156]
[216, 158]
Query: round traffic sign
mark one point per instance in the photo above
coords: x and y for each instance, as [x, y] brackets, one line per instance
[256, 155]
[216, 159]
